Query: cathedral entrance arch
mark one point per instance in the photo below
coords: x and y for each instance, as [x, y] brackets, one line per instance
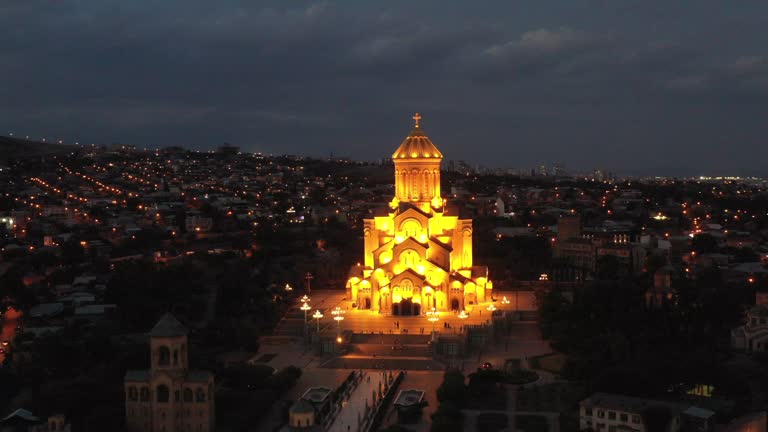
[455, 304]
[406, 307]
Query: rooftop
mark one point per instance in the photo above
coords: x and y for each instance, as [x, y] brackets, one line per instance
[137, 375]
[628, 403]
[316, 394]
[409, 397]
[168, 326]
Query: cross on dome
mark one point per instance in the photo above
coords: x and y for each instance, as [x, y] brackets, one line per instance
[416, 117]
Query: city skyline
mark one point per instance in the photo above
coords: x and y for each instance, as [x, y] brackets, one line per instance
[643, 89]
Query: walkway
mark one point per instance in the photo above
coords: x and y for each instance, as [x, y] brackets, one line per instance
[353, 408]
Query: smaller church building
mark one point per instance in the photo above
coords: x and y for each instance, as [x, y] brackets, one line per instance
[169, 396]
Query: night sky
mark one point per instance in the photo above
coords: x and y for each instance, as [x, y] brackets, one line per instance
[636, 86]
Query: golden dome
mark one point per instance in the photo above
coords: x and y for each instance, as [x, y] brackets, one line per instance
[417, 145]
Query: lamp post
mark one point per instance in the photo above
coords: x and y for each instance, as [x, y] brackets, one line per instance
[338, 316]
[504, 300]
[288, 288]
[428, 295]
[433, 316]
[305, 299]
[317, 315]
[491, 307]
[462, 316]
[305, 307]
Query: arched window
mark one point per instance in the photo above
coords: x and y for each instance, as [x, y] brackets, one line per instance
[409, 258]
[163, 356]
[406, 287]
[162, 393]
[133, 394]
[144, 394]
[200, 395]
[411, 227]
[188, 395]
[385, 256]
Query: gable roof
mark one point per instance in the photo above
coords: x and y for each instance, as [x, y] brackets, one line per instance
[20, 414]
[168, 326]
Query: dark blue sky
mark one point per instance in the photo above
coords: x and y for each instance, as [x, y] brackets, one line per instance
[639, 86]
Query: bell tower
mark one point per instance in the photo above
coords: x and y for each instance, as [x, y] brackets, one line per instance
[168, 345]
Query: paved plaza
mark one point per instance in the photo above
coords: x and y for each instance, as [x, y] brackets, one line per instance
[380, 344]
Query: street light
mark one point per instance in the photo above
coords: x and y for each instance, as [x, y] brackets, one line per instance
[338, 316]
[433, 316]
[288, 288]
[305, 299]
[317, 315]
[463, 315]
[504, 300]
[491, 307]
[305, 307]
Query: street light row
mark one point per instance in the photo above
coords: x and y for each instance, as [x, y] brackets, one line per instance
[433, 315]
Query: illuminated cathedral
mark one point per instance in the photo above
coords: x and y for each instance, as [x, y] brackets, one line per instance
[419, 255]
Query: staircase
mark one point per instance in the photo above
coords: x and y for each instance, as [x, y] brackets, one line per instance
[292, 324]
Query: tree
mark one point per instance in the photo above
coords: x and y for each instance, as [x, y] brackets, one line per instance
[608, 267]
[656, 418]
[12, 287]
[452, 389]
[704, 243]
[447, 418]
[395, 428]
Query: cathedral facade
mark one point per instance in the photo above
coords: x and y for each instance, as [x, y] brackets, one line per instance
[418, 256]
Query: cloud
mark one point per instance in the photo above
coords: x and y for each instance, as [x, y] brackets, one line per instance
[691, 82]
[544, 41]
[517, 80]
[747, 64]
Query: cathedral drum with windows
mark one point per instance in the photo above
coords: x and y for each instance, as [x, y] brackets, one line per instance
[418, 256]
[169, 397]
